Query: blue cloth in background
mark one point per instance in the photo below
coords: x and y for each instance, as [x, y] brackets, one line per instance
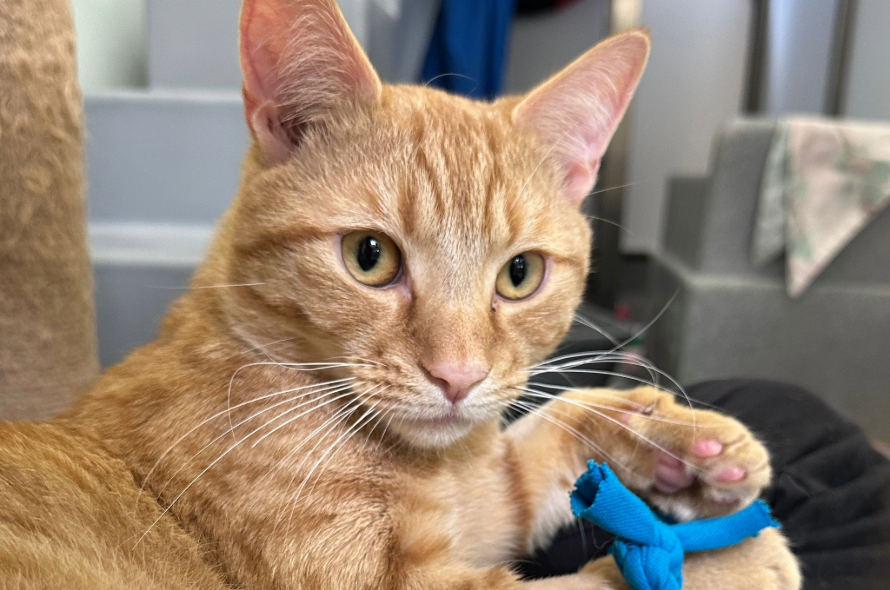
[648, 551]
[467, 53]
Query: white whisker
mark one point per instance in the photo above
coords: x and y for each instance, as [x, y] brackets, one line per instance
[541, 411]
[224, 454]
[322, 387]
[549, 396]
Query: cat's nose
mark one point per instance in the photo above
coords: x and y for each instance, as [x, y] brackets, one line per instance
[456, 378]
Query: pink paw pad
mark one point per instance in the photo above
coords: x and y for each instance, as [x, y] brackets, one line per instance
[670, 475]
[731, 474]
[707, 448]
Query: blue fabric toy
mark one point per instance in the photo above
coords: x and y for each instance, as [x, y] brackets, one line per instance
[647, 550]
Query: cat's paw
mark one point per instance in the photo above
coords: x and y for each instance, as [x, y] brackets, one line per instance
[764, 562]
[688, 463]
[603, 573]
[715, 474]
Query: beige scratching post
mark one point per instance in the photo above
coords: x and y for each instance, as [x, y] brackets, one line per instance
[47, 320]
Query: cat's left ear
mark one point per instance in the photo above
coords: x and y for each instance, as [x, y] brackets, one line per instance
[576, 112]
[301, 64]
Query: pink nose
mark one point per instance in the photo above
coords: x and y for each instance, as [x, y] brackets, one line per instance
[456, 378]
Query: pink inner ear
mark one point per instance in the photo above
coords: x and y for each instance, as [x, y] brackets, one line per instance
[575, 113]
[299, 61]
[263, 39]
[579, 179]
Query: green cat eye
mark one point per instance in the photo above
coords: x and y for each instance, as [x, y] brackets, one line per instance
[521, 276]
[371, 257]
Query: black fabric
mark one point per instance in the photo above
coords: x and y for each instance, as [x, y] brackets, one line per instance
[831, 489]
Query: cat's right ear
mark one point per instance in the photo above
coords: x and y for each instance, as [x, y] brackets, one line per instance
[576, 112]
[300, 63]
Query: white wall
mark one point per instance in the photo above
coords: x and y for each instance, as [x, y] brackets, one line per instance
[692, 87]
[111, 44]
[868, 90]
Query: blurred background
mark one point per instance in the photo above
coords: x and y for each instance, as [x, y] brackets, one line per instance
[701, 175]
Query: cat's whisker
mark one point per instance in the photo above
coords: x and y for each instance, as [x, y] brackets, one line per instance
[614, 357]
[612, 374]
[191, 287]
[298, 416]
[630, 339]
[392, 415]
[543, 159]
[640, 412]
[610, 222]
[602, 393]
[615, 188]
[631, 357]
[542, 412]
[273, 343]
[652, 383]
[331, 452]
[359, 399]
[641, 436]
[595, 327]
[261, 427]
[355, 429]
[321, 388]
[329, 426]
[225, 453]
[639, 333]
[260, 284]
[572, 368]
[582, 359]
[350, 405]
[312, 366]
[445, 75]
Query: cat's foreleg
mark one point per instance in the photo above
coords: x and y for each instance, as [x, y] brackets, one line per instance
[755, 563]
[689, 463]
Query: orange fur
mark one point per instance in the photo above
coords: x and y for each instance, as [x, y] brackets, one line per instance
[354, 471]
[71, 517]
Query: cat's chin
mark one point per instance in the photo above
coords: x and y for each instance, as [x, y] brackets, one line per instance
[430, 433]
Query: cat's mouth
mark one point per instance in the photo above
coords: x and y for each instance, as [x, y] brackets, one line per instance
[434, 430]
[450, 419]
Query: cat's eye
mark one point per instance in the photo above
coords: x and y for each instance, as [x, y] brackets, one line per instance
[371, 257]
[521, 276]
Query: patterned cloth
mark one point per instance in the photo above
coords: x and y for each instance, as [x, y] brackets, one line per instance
[823, 182]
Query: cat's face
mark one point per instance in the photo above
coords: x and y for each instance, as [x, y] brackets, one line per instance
[433, 245]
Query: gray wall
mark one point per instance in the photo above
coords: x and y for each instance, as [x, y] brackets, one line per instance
[542, 45]
[868, 92]
[799, 56]
[692, 87]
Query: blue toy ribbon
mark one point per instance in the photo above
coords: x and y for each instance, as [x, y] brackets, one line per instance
[648, 551]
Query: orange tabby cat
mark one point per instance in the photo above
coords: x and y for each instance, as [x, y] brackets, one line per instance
[322, 409]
